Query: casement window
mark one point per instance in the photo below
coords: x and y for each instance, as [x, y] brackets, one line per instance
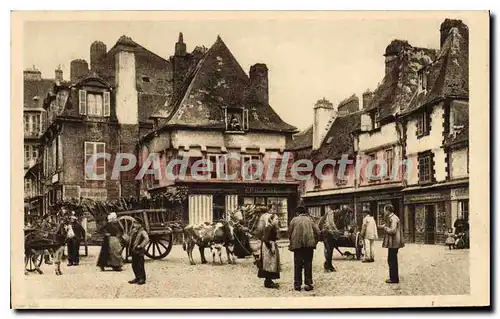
[463, 207]
[250, 167]
[423, 124]
[98, 167]
[389, 159]
[236, 120]
[422, 81]
[375, 119]
[94, 103]
[30, 153]
[32, 124]
[425, 168]
[218, 167]
[375, 169]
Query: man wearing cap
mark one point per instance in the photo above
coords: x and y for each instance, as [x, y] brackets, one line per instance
[393, 240]
[138, 241]
[304, 235]
[75, 236]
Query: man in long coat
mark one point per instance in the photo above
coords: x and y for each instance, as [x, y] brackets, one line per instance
[393, 240]
[304, 235]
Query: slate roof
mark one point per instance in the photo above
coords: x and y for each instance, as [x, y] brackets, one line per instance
[218, 81]
[337, 140]
[301, 140]
[400, 84]
[448, 75]
[38, 88]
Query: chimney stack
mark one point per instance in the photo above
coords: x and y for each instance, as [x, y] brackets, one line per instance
[259, 84]
[97, 52]
[59, 74]
[367, 98]
[448, 24]
[126, 87]
[324, 113]
[180, 63]
[392, 52]
[78, 69]
[32, 74]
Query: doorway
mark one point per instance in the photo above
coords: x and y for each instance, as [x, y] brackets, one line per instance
[430, 224]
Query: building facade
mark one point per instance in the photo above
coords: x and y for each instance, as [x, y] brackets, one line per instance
[221, 116]
[414, 130]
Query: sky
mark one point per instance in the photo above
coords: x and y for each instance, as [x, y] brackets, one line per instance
[307, 59]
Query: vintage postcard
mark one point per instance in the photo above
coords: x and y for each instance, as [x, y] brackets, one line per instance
[250, 159]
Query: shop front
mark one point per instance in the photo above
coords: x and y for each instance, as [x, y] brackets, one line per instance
[459, 204]
[318, 205]
[213, 201]
[375, 202]
[427, 216]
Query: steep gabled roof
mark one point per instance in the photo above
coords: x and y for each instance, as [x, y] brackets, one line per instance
[301, 140]
[217, 81]
[400, 84]
[448, 75]
[36, 88]
[337, 140]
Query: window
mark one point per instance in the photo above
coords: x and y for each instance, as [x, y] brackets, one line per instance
[317, 181]
[423, 124]
[388, 158]
[463, 208]
[425, 168]
[145, 79]
[218, 165]
[375, 168]
[422, 81]
[27, 187]
[94, 103]
[279, 205]
[32, 124]
[236, 120]
[250, 167]
[99, 165]
[375, 119]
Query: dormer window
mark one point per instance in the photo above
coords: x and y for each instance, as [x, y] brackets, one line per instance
[376, 119]
[236, 120]
[94, 103]
[145, 79]
[422, 81]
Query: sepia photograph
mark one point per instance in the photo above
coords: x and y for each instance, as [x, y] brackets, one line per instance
[250, 159]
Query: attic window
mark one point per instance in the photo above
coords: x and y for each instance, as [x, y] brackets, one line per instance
[422, 81]
[376, 119]
[145, 79]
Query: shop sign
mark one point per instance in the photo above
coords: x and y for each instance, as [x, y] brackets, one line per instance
[425, 197]
[460, 193]
[266, 190]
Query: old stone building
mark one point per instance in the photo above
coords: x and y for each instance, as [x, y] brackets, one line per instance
[35, 89]
[413, 129]
[219, 114]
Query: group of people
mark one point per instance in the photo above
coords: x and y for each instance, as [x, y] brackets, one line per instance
[305, 233]
[460, 237]
[115, 241]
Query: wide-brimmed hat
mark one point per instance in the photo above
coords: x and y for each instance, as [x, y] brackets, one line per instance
[301, 208]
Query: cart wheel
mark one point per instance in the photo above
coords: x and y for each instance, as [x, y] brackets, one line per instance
[359, 246]
[126, 223]
[32, 261]
[159, 246]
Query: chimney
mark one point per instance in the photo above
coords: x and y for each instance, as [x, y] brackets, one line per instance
[449, 24]
[97, 52]
[180, 63]
[259, 84]
[392, 52]
[348, 106]
[32, 74]
[126, 89]
[324, 113]
[78, 69]
[367, 98]
[180, 46]
[59, 74]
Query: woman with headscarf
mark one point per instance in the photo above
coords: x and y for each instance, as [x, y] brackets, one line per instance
[269, 260]
[110, 255]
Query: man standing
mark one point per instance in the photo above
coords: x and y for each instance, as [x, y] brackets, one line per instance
[393, 240]
[74, 241]
[137, 246]
[304, 235]
[369, 233]
[329, 234]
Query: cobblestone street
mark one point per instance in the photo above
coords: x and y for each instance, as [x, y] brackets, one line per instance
[424, 270]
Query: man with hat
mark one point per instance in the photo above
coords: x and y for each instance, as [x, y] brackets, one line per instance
[75, 235]
[393, 240]
[139, 239]
[304, 235]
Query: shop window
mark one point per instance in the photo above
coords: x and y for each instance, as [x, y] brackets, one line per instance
[441, 218]
[380, 213]
[314, 211]
[425, 167]
[279, 206]
[248, 201]
[463, 208]
[260, 201]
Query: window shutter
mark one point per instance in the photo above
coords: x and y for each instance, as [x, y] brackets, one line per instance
[82, 101]
[106, 103]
